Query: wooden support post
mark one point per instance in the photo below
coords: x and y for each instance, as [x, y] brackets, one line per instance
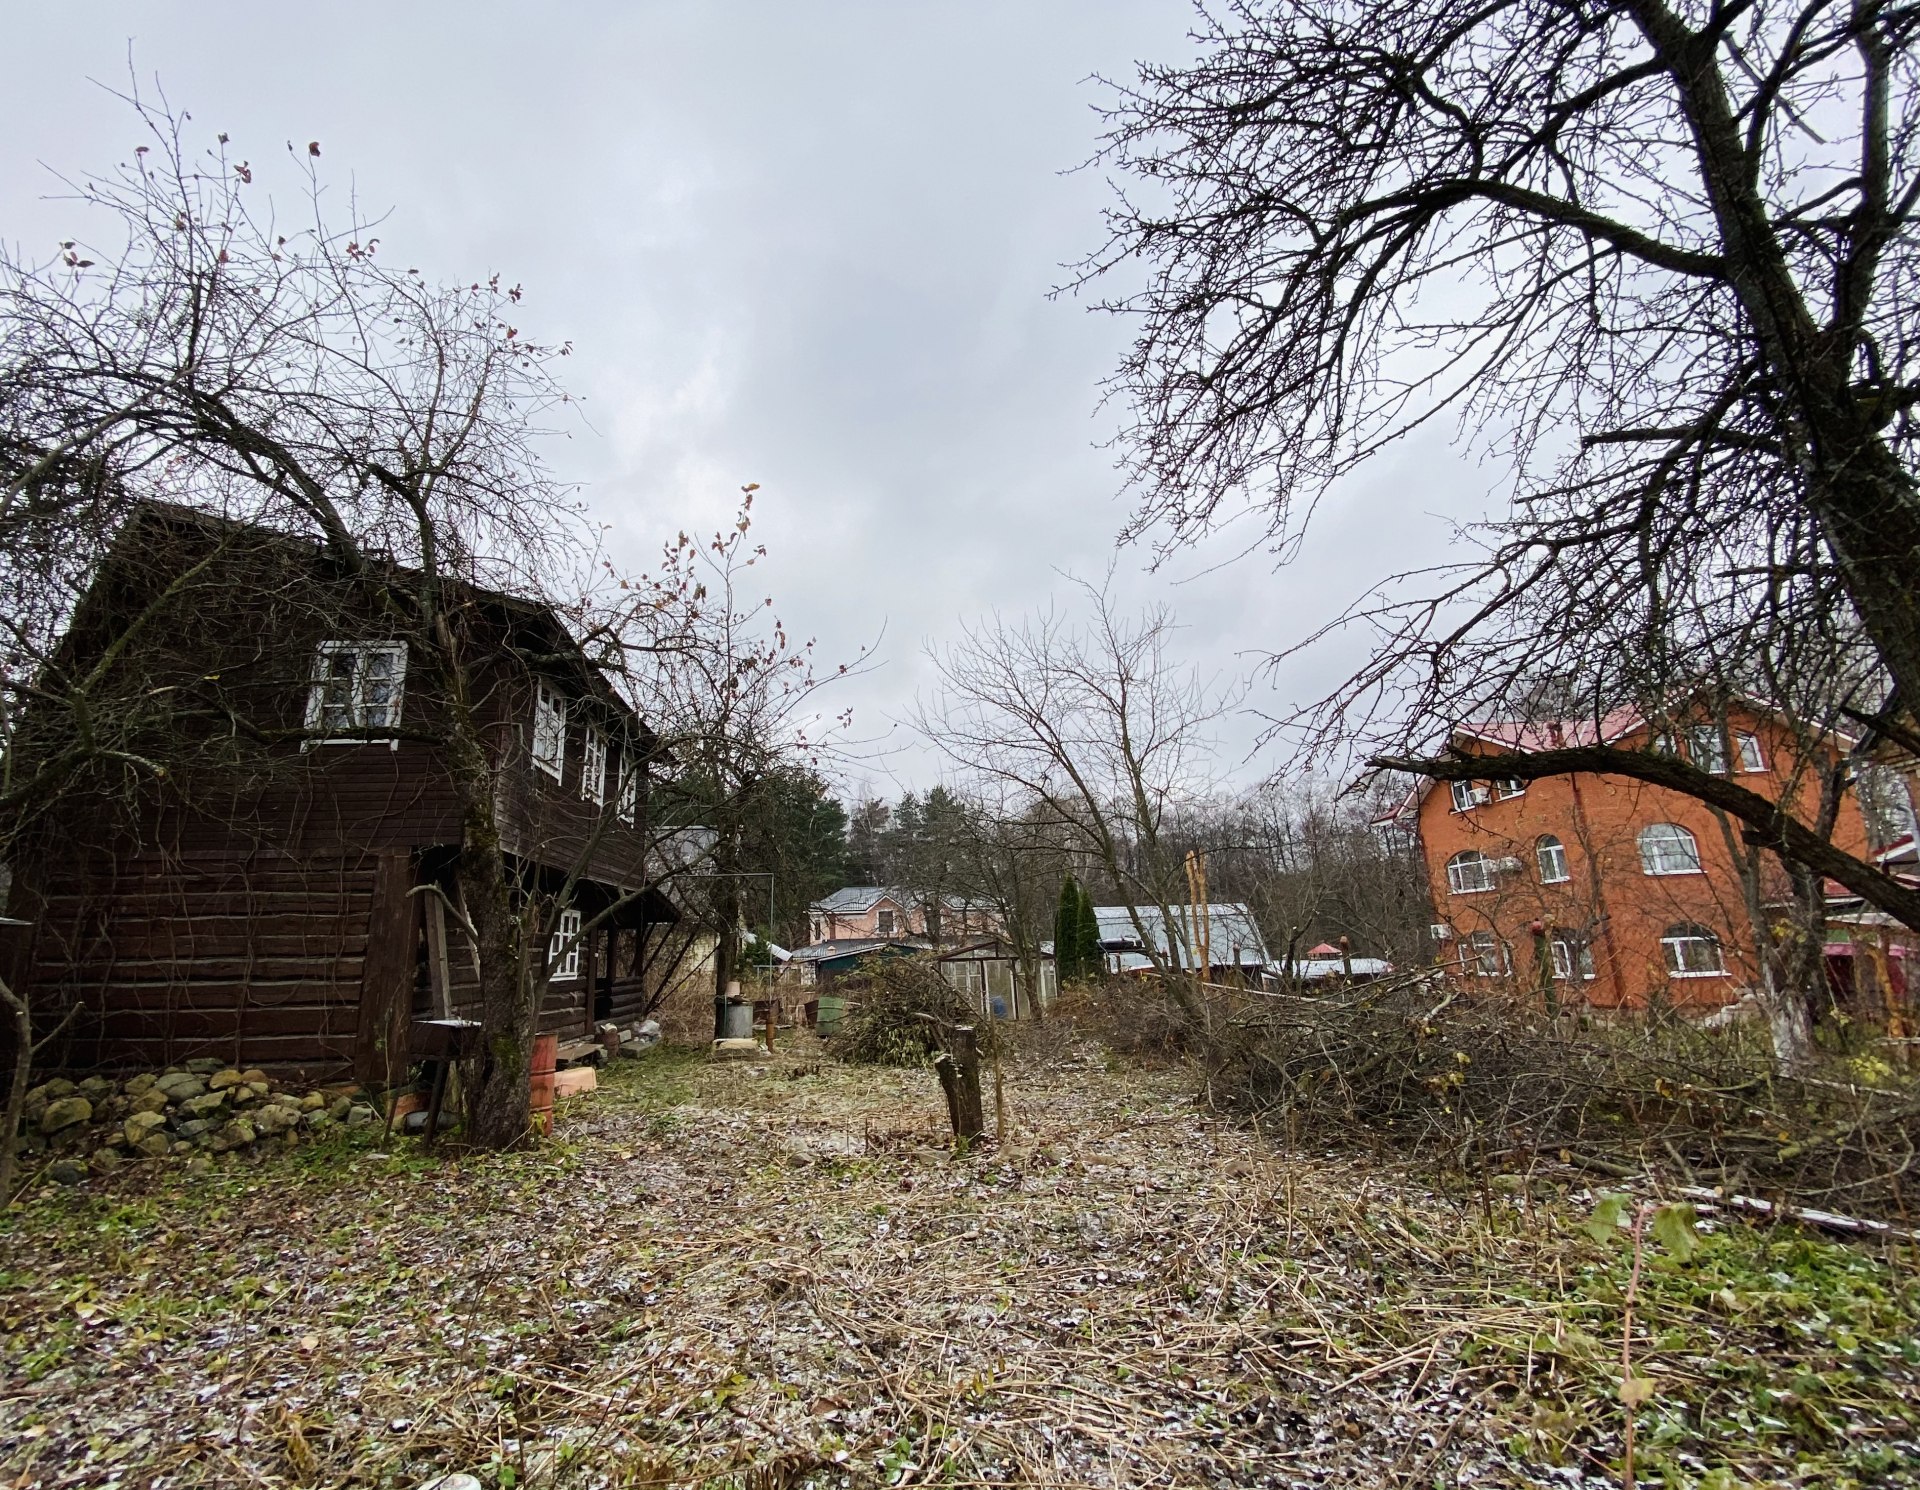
[386, 984]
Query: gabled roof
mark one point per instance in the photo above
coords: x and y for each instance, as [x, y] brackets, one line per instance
[855, 946]
[856, 899]
[1230, 925]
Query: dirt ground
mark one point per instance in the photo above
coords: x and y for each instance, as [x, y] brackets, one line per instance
[776, 1274]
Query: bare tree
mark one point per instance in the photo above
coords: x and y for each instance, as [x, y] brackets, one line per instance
[1658, 261]
[1101, 729]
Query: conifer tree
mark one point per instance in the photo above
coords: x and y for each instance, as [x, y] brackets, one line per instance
[1087, 954]
[1066, 932]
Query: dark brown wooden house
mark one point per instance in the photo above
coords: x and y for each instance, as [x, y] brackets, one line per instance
[279, 892]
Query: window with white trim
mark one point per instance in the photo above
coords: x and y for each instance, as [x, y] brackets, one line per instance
[357, 687]
[593, 766]
[628, 802]
[563, 950]
[1747, 748]
[1692, 952]
[1482, 955]
[1551, 855]
[1707, 749]
[549, 731]
[1572, 956]
[883, 923]
[1668, 848]
[1512, 786]
[1469, 872]
[1468, 795]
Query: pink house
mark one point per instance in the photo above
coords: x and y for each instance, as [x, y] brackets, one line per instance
[877, 913]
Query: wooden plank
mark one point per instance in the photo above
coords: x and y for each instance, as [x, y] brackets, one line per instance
[439, 974]
[386, 988]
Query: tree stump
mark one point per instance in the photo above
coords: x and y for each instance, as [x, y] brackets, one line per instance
[958, 1067]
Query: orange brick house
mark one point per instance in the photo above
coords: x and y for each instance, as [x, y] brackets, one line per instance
[1639, 888]
[884, 913]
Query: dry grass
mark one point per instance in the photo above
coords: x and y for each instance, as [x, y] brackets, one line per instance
[775, 1274]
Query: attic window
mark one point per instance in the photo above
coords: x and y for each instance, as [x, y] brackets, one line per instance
[356, 690]
[593, 766]
[883, 923]
[1468, 795]
[549, 731]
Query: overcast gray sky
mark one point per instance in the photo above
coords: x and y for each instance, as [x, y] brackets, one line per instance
[806, 244]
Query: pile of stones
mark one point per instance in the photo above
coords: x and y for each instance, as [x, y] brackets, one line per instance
[202, 1107]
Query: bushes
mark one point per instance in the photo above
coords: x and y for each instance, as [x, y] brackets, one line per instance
[883, 1025]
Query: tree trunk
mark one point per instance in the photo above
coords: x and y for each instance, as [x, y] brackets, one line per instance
[958, 1067]
[17, 1093]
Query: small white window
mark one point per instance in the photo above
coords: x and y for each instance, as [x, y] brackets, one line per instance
[1482, 956]
[1748, 749]
[563, 951]
[1468, 795]
[1708, 749]
[357, 688]
[1551, 855]
[1692, 952]
[549, 731]
[883, 923]
[1571, 956]
[593, 766]
[1668, 848]
[819, 930]
[629, 799]
[1469, 872]
[1511, 787]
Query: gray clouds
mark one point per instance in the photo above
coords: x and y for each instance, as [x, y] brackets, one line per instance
[807, 245]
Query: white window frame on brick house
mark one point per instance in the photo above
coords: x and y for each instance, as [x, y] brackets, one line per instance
[1707, 749]
[593, 766]
[1570, 952]
[1668, 848]
[1467, 795]
[1551, 856]
[1482, 955]
[884, 922]
[1682, 947]
[550, 731]
[1746, 748]
[1470, 872]
[563, 948]
[358, 687]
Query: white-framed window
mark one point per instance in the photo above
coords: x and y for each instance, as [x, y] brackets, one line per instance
[593, 766]
[1668, 848]
[1692, 952]
[1482, 955]
[1551, 855]
[883, 923]
[357, 687]
[563, 950]
[1511, 787]
[1707, 748]
[1746, 749]
[1468, 795]
[1469, 872]
[550, 731]
[1572, 957]
[818, 929]
[628, 802]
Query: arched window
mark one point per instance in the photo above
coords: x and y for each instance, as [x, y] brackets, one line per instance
[1692, 952]
[1668, 848]
[1469, 872]
[1551, 854]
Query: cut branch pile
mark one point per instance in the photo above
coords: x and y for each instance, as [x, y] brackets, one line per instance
[1490, 1083]
[895, 1011]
